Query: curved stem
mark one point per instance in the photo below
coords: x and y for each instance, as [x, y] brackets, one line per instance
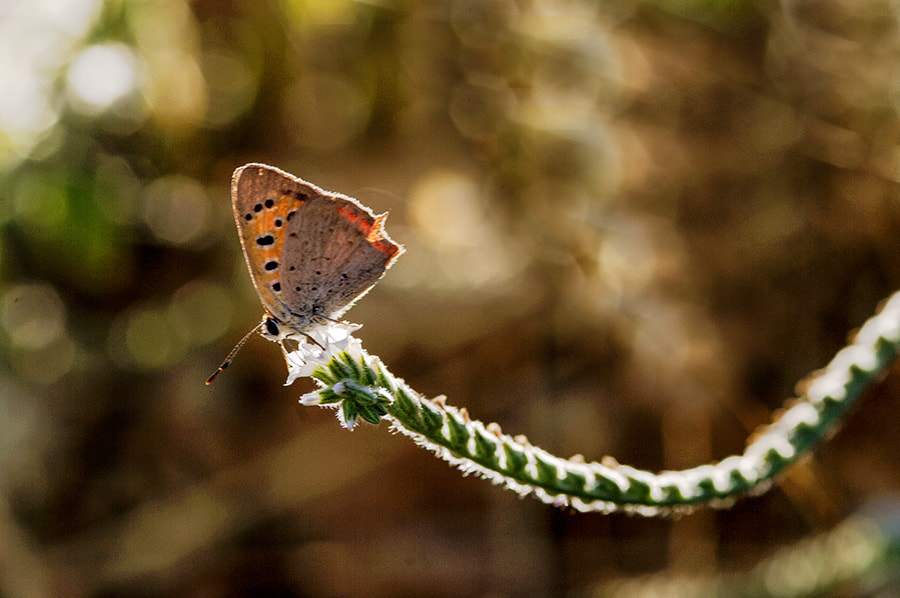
[363, 387]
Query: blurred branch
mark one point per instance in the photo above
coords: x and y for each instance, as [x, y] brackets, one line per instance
[864, 549]
[364, 388]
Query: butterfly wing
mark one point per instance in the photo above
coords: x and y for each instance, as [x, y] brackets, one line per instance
[262, 197]
[336, 250]
[309, 252]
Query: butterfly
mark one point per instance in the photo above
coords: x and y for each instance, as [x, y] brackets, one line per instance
[311, 253]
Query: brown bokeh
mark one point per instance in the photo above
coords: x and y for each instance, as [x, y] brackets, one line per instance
[629, 230]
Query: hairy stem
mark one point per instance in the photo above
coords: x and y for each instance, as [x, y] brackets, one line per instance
[363, 387]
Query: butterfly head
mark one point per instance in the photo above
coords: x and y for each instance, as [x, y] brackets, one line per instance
[269, 329]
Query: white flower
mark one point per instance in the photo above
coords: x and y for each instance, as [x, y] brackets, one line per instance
[314, 398]
[302, 355]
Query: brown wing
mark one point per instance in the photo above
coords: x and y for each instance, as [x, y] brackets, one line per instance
[308, 251]
[262, 197]
[335, 250]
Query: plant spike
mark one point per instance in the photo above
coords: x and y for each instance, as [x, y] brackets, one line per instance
[363, 387]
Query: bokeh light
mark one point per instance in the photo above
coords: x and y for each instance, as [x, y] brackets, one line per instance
[36, 39]
[149, 339]
[232, 86]
[32, 315]
[33, 318]
[201, 312]
[101, 75]
[176, 209]
[323, 112]
[457, 236]
[630, 229]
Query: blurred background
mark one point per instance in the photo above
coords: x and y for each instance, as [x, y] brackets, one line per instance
[630, 230]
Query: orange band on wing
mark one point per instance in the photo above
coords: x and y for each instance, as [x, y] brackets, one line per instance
[374, 230]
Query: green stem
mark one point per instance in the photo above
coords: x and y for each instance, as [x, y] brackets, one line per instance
[373, 392]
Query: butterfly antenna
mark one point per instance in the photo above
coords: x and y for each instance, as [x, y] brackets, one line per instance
[233, 352]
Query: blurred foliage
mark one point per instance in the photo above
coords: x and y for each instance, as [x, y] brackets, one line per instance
[630, 229]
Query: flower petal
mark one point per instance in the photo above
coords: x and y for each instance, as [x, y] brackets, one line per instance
[332, 338]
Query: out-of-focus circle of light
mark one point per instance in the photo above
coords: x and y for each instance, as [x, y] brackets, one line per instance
[460, 247]
[448, 209]
[36, 40]
[176, 208]
[101, 75]
[200, 312]
[32, 315]
[323, 111]
[232, 86]
[149, 339]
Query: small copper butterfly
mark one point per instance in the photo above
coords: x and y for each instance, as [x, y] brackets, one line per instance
[311, 253]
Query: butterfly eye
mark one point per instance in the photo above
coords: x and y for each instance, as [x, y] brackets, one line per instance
[272, 327]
